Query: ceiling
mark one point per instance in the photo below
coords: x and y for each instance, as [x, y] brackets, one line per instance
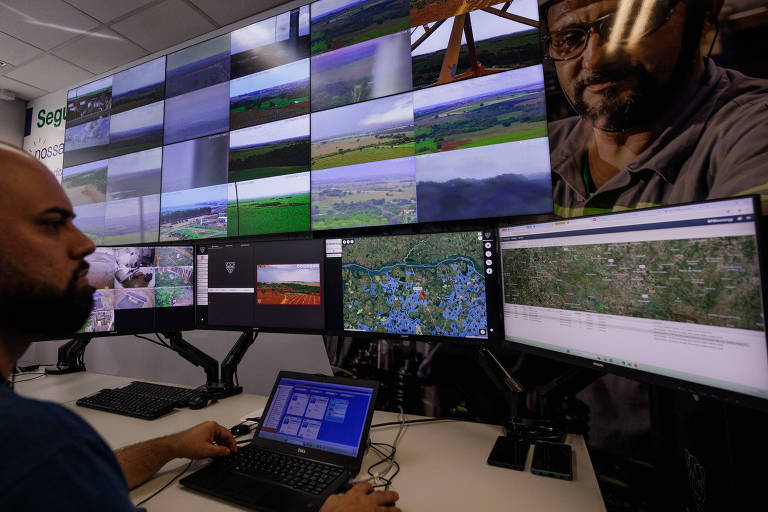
[48, 45]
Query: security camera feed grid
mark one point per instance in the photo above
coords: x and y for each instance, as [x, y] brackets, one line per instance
[458, 44]
[428, 284]
[129, 278]
[295, 284]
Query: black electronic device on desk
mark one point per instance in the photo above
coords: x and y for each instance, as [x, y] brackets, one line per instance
[145, 400]
[310, 441]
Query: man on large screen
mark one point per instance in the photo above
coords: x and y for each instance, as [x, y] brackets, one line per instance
[658, 122]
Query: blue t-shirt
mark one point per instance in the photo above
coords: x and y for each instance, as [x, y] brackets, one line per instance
[50, 459]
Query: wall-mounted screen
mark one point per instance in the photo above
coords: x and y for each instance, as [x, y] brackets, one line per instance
[339, 114]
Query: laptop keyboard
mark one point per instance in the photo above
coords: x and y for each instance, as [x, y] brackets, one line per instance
[303, 475]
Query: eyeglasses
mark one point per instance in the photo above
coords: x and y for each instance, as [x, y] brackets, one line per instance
[571, 42]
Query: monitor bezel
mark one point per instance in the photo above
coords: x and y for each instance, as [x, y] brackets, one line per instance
[701, 390]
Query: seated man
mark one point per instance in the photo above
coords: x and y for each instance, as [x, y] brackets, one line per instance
[49, 457]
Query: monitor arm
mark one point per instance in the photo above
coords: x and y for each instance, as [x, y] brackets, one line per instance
[70, 357]
[235, 355]
[198, 358]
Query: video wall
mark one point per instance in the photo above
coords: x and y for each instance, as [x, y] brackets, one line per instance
[141, 289]
[339, 114]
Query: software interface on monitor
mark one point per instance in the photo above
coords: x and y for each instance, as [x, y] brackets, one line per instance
[437, 284]
[674, 291]
[329, 417]
[270, 285]
[140, 289]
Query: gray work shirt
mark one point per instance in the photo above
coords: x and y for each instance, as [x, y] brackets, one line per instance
[718, 147]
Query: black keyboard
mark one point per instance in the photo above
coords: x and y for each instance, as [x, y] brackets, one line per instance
[304, 475]
[139, 400]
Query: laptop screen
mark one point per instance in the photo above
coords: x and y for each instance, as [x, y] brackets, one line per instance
[318, 415]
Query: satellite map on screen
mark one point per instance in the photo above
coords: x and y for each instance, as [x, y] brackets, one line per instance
[430, 284]
[709, 281]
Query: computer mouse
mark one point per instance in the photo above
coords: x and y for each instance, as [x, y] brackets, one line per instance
[197, 402]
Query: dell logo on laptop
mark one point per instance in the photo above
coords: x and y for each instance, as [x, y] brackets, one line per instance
[301, 450]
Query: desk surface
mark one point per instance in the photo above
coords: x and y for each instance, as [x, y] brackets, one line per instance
[442, 464]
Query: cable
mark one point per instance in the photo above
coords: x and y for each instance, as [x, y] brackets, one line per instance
[165, 343]
[14, 381]
[150, 340]
[178, 475]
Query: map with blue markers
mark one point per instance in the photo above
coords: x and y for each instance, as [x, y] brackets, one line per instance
[429, 284]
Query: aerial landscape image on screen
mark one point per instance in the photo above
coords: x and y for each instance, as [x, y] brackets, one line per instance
[194, 213]
[272, 149]
[89, 102]
[363, 132]
[428, 284]
[293, 284]
[195, 163]
[197, 67]
[500, 42]
[270, 43]
[197, 113]
[86, 142]
[339, 23]
[279, 204]
[372, 69]
[271, 95]
[85, 183]
[503, 107]
[139, 86]
[133, 220]
[134, 175]
[89, 218]
[500, 180]
[707, 281]
[370, 194]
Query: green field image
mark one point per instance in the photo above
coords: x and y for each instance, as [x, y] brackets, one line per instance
[482, 122]
[173, 276]
[174, 257]
[282, 214]
[190, 231]
[267, 109]
[709, 281]
[233, 222]
[150, 236]
[170, 297]
[365, 21]
[518, 50]
[358, 149]
[86, 187]
[363, 203]
[269, 160]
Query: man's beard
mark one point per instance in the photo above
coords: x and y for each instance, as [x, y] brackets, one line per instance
[635, 109]
[38, 309]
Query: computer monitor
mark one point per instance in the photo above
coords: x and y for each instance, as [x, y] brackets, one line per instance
[273, 286]
[437, 286]
[671, 295]
[141, 289]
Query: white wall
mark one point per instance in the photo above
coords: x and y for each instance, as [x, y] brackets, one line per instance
[129, 356]
[12, 117]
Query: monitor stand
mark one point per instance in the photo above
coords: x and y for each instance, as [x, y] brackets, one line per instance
[214, 386]
[70, 358]
[229, 365]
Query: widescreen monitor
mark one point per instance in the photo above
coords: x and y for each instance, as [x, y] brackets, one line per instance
[141, 290]
[673, 295]
[273, 286]
[436, 286]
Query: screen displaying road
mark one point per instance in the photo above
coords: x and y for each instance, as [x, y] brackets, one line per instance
[707, 281]
[430, 284]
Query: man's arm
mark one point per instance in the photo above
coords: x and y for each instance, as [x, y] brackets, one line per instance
[140, 461]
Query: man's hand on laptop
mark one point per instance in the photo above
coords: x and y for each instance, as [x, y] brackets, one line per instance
[207, 439]
[361, 498]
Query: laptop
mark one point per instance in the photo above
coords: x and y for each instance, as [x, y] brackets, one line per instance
[311, 441]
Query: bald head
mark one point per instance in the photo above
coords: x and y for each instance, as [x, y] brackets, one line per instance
[42, 266]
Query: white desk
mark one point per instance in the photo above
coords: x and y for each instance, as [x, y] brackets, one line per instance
[442, 465]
